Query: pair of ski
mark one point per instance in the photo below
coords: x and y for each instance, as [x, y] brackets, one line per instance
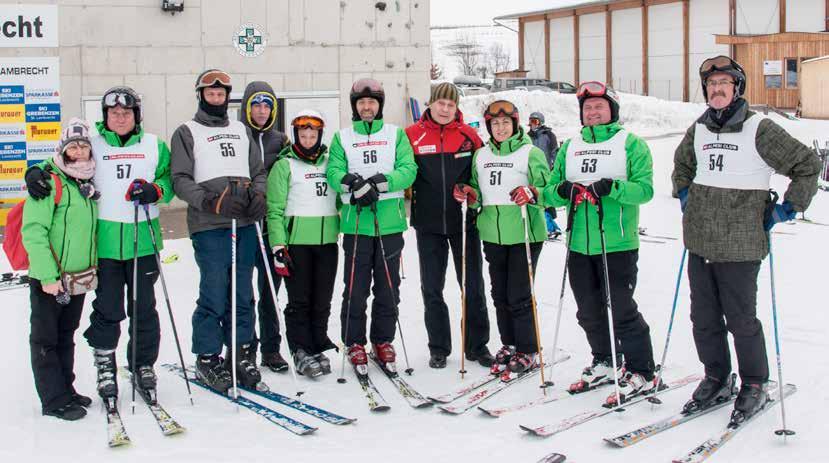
[376, 402]
[13, 281]
[283, 421]
[117, 432]
[709, 446]
[469, 396]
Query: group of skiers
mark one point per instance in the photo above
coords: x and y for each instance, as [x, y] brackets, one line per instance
[257, 199]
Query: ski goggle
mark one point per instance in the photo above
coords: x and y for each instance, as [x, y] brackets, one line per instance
[367, 83]
[535, 120]
[500, 108]
[718, 63]
[262, 98]
[306, 122]
[123, 99]
[592, 88]
[211, 78]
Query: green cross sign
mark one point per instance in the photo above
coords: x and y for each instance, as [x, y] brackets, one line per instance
[250, 40]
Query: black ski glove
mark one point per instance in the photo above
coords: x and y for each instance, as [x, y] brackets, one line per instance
[37, 182]
[231, 202]
[601, 187]
[348, 182]
[565, 189]
[380, 182]
[364, 193]
[143, 191]
[257, 206]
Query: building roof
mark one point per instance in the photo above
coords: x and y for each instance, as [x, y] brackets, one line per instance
[554, 6]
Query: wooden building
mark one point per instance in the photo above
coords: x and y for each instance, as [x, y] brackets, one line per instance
[814, 88]
[655, 47]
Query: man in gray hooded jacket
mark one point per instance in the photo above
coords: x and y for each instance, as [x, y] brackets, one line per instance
[259, 114]
[219, 173]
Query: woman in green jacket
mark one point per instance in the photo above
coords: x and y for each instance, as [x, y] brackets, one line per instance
[303, 217]
[606, 167]
[507, 175]
[59, 237]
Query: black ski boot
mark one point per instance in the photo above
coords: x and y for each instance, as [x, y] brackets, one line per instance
[274, 361]
[324, 362]
[751, 399]
[437, 361]
[146, 378]
[710, 391]
[81, 400]
[211, 371]
[246, 372]
[69, 412]
[484, 358]
[107, 382]
[306, 364]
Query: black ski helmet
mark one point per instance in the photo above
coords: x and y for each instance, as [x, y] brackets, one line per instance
[726, 65]
[122, 96]
[366, 88]
[307, 118]
[595, 89]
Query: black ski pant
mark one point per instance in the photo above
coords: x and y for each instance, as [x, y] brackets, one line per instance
[633, 338]
[269, 338]
[310, 288]
[433, 253]
[368, 265]
[724, 300]
[52, 345]
[108, 309]
[511, 293]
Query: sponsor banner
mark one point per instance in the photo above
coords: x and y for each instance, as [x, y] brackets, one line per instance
[12, 170]
[10, 113]
[12, 189]
[11, 94]
[12, 132]
[28, 26]
[38, 151]
[46, 112]
[13, 151]
[43, 131]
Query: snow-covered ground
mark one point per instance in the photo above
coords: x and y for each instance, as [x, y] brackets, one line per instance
[216, 431]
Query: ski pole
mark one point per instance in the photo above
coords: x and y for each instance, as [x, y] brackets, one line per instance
[463, 288]
[571, 213]
[409, 369]
[275, 299]
[134, 321]
[653, 398]
[525, 219]
[608, 302]
[784, 431]
[233, 342]
[341, 379]
[167, 300]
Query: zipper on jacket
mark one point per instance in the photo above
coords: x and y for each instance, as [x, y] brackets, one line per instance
[322, 228]
[93, 222]
[64, 247]
[621, 220]
[262, 147]
[586, 230]
[498, 222]
[443, 179]
[121, 241]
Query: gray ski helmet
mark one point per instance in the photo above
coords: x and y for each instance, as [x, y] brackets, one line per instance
[726, 65]
[539, 116]
[366, 88]
[124, 97]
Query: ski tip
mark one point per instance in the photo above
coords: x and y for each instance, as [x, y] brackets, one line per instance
[612, 442]
[409, 371]
[553, 458]
[341, 380]
[380, 408]
[489, 413]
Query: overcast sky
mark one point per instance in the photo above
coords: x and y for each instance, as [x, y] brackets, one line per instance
[478, 12]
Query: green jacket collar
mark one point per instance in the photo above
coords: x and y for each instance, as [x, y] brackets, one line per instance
[363, 127]
[511, 144]
[113, 139]
[600, 133]
[288, 152]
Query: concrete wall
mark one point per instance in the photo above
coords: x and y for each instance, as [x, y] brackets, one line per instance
[665, 52]
[561, 50]
[805, 15]
[758, 16]
[534, 49]
[627, 50]
[706, 17]
[312, 45]
[592, 47]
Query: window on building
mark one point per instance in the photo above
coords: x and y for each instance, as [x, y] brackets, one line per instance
[774, 81]
[791, 72]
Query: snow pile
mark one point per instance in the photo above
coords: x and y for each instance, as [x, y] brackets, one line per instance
[644, 115]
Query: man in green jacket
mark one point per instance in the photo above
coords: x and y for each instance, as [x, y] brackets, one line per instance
[722, 174]
[606, 169]
[370, 165]
[131, 166]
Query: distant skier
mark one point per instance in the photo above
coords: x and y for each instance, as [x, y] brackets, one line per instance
[544, 138]
[722, 173]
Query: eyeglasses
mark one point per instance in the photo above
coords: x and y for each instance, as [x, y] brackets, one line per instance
[718, 63]
[210, 78]
[500, 108]
[718, 83]
[305, 122]
[122, 99]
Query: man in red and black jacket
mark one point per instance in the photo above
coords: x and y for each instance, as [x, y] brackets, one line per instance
[443, 147]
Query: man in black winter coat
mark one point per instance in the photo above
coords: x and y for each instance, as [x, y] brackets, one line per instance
[258, 112]
[544, 138]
